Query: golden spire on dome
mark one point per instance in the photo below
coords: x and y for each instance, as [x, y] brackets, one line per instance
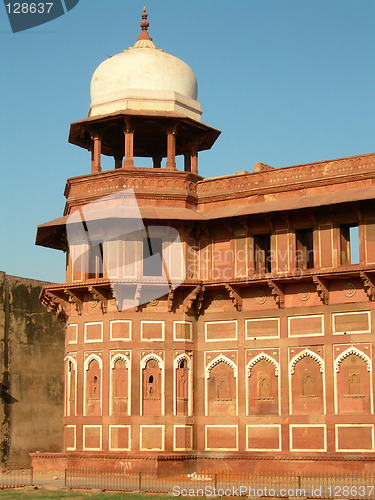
[144, 40]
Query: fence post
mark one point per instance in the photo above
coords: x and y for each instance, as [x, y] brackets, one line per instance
[140, 482]
[215, 481]
[32, 476]
[65, 472]
[299, 481]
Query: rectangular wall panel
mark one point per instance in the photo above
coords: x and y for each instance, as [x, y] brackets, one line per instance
[182, 437]
[152, 330]
[304, 437]
[265, 327]
[152, 437]
[300, 326]
[221, 437]
[120, 330]
[182, 330]
[220, 330]
[72, 334]
[354, 437]
[263, 437]
[352, 322]
[94, 332]
[92, 437]
[119, 437]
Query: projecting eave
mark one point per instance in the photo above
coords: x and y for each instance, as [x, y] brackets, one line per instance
[150, 127]
[53, 234]
[290, 204]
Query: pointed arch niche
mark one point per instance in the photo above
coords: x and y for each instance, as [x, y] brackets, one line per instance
[93, 385]
[306, 384]
[183, 385]
[262, 386]
[120, 393]
[353, 382]
[152, 385]
[221, 387]
[70, 386]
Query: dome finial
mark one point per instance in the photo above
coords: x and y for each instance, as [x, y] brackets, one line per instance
[144, 25]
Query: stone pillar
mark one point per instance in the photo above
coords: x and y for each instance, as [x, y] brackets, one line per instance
[129, 145]
[96, 152]
[171, 148]
[187, 162]
[194, 159]
[118, 161]
[157, 161]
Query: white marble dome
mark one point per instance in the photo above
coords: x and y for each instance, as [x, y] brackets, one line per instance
[144, 78]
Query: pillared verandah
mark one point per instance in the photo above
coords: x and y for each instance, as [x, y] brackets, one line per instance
[234, 322]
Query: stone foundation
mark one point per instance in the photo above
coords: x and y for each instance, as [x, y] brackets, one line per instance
[184, 464]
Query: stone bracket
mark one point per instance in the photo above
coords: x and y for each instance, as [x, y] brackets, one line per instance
[199, 303]
[170, 299]
[235, 296]
[75, 299]
[188, 302]
[322, 289]
[369, 284]
[278, 293]
[99, 296]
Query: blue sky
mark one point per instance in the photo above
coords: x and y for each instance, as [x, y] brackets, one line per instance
[286, 81]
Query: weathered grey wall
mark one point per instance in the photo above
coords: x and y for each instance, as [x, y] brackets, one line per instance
[31, 360]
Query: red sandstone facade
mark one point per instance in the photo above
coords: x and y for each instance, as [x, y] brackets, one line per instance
[265, 350]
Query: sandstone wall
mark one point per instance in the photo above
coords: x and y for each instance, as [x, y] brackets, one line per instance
[31, 378]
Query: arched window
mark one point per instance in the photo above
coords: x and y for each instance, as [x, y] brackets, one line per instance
[152, 397]
[120, 386]
[221, 388]
[262, 386]
[353, 383]
[182, 384]
[307, 384]
[93, 386]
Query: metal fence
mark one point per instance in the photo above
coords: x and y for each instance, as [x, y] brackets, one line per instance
[222, 483]
[15, 477]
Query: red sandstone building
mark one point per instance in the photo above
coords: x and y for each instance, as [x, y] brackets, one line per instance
[265, 350]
